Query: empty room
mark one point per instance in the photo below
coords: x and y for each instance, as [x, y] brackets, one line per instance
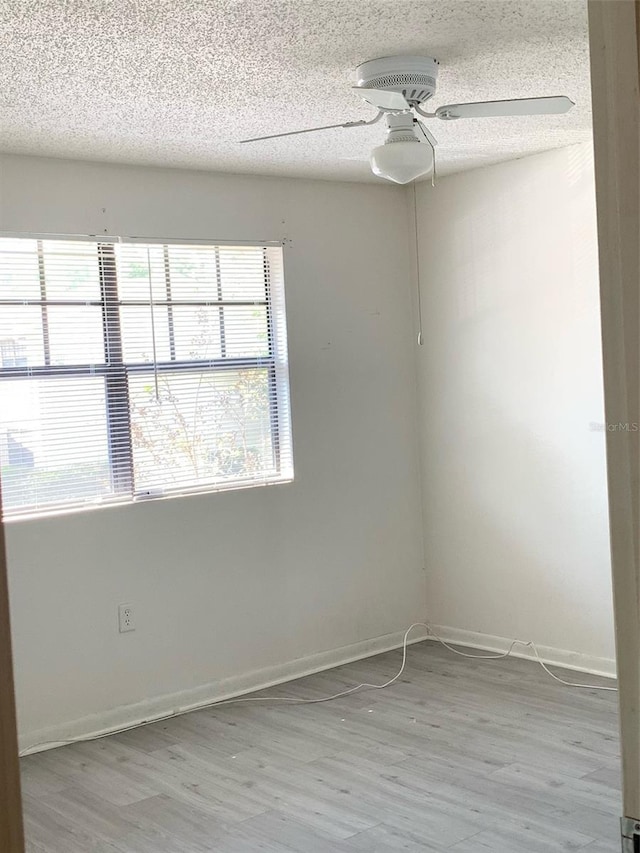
[303, 445]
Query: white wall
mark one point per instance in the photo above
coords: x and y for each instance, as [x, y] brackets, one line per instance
[515, 513]
[225, 585]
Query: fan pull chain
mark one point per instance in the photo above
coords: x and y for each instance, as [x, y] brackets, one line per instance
[415, 223]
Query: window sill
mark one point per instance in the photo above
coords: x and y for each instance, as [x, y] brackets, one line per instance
[164, 495]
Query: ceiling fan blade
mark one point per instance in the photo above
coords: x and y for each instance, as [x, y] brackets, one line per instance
[308, 130]
[382, 99]
[515, 107]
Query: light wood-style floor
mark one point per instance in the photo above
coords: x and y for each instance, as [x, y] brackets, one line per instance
[458, 755]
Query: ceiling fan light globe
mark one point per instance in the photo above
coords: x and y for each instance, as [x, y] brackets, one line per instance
[401, 162]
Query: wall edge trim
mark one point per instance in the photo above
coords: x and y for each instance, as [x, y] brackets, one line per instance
[182, 702]
[578, 661]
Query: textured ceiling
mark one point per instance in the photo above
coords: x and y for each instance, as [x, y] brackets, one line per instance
[177, 82]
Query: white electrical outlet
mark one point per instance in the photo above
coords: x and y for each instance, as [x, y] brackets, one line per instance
[125, 618]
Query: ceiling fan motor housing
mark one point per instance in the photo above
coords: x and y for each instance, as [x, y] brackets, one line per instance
[413, 76]
[400, 128]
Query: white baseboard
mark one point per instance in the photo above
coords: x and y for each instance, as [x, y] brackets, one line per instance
[553, 657]
[174, 704]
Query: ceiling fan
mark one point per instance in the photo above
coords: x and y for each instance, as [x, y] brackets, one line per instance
[397, 86]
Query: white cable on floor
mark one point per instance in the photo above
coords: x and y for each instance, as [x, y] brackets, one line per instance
[296, 701]
[529, 644]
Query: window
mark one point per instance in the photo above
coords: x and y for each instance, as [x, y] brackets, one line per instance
[131, 370]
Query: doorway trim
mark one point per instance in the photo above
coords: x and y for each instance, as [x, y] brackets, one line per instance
[614, 29]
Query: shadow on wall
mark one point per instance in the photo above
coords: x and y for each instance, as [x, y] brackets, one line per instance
[515, 477]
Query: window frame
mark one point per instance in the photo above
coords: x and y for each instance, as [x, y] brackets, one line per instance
[116, 370]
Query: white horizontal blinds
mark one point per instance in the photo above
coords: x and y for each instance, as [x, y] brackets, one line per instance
[198, 340]
[133, 369]
[54, 432]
